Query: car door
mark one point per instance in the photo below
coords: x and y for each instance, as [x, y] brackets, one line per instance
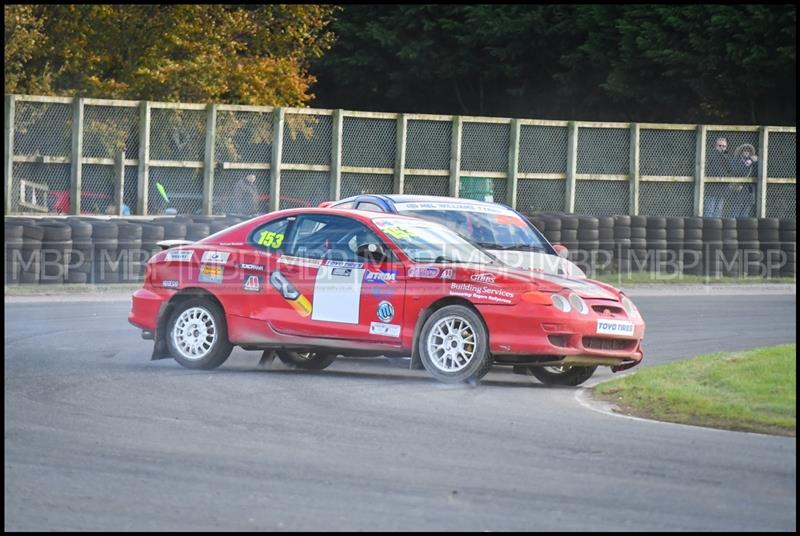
[335, 293]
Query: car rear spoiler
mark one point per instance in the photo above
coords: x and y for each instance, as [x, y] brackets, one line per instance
[325, 204]
[167, 244]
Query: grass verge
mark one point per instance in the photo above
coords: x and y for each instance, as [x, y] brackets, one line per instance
[752, 391]
[638, 278]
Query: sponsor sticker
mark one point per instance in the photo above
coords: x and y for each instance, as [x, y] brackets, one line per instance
[299, 261]
[215, 257]
[342, 272]
[493, 294]
[210, 273]
[385, 311]
[344, 264]
[252, 283]
[256, 267]
[457, 206]
[180, 255]
[169, 283]
[290, 293]
[423, 272]
[380, 276]
[483, 278]
[387, 330]
[615, 327]
[447, 273]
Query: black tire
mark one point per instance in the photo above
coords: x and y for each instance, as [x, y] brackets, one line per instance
[622, 220]
[674, 222]
[569, 235]
[81, 230]
[569, 223]
[769, 223]
[622, 231]
[638, 221]
[104, 230]
[638, 232]
[31, 231]
[747, 234]
[675, 233]
[788, 225]
[693, 222]
[728, 223]
[552, 224]
[605, 222]
[606, 234]
[220, 348]
[554, 237]
[174, 231]
[129, 231]
[746, 223]
[656, 222]
[152, 233]
[571, 376]
[712, 223]
[197, 231]
[76, 277]
[787, 236]
[305, 360]
[13, 230]
[481, 360]
[656, 233]
[588, 222]
[588, 234]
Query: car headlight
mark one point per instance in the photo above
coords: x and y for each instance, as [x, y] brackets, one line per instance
[561, 303]
[629, 307]
[578, 304]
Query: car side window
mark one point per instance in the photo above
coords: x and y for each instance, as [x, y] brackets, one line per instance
[319, 236]
[270, 236]
[370, 207]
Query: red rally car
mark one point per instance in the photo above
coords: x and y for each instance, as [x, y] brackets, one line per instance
[315, 283]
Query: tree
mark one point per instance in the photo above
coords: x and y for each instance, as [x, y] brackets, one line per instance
[201, 53]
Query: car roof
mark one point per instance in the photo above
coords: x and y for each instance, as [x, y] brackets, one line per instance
[407, 198]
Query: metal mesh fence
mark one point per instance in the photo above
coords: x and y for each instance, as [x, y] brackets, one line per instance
[534, 195]
[243, 137]
[368, 142]
[603, 151]
[108, 129]
[667, 152]
[130, 188]
[97, 189]
[601, 197]
[55, 176]
[782, 162]
[42, 128]
[183, 187]
[307, 139]
[428, 144]
[177, 134]
[228, 200]
[730, 154]
[666, 198]
[366, 183]
[729, 200]
[304, 188]
[542, 149]
[483, 189]
[484, 146]
[782, 201]
[426, 185]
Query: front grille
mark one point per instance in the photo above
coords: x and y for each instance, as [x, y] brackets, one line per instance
[613, 309]
[598, 343]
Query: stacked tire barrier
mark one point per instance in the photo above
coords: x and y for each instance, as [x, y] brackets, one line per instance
[92, 250]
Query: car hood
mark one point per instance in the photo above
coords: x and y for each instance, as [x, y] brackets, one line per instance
[539, 262]
[585, 288]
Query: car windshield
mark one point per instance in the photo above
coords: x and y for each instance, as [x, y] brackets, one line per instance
[490, 226]
[424, 242]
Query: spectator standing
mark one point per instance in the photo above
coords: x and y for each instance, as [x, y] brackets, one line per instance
[245, 196]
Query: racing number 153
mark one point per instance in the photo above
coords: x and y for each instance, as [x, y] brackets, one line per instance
[270, 239]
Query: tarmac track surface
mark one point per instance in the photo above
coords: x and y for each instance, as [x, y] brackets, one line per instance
[99, 438]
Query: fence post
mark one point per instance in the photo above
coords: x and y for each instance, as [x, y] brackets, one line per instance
[633, 200]
[143, 174]
[336, 155]
[761, 188]
[76, 156]
[513, 164]
[208, 161]
[572, 166]
[8, 153]
[119, 181]
[400, 156]
[699, 170]
[275, 165]
[455, 157]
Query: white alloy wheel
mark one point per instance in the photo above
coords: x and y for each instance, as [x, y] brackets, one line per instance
[194, 333]
[451, 343]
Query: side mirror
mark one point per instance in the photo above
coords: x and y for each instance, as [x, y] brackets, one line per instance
[372, 251]
[561, 251]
